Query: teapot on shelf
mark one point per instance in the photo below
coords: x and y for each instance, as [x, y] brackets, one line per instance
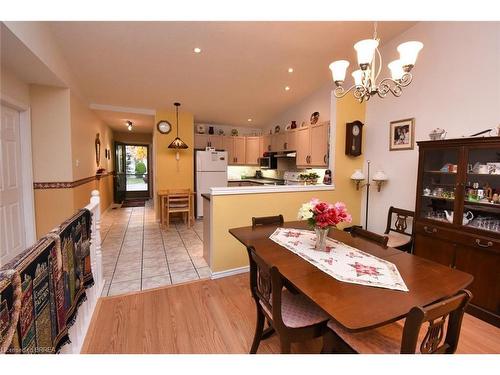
[437, 134]
[468, 216]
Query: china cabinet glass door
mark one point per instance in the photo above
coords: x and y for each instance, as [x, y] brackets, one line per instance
[482, 190]
[439, 181]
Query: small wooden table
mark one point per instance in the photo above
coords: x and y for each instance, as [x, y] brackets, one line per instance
[357, 307]
[163, 195]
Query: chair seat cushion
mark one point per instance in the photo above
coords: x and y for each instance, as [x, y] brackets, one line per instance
[297, 311]
[382, 340]
[397, 239]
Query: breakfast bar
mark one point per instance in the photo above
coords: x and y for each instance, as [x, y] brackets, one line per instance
[229, 207]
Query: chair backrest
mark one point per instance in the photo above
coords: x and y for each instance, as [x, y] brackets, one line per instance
[179, 199]
[370, 236]
[401, 222]
[267, 220]
[450, 309]
[266, 284]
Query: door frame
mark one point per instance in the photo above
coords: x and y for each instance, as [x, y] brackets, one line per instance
[26, 166]
[138, 194]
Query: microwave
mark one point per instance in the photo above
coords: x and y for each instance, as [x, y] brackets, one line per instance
[268, 161]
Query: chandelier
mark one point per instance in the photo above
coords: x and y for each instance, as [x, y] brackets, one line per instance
[370, 64]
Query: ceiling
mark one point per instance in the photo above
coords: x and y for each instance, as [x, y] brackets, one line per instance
[241, 72]
[117, 121]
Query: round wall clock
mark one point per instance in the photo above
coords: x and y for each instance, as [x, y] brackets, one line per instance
[164, 126]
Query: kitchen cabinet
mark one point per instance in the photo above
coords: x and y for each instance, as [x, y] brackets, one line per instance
[283, 141]
[319, 145]
[252, 150]
[267, 143]
[236, 150]
[201, 141]
[312, 143]
[302, 141]
[454, 224]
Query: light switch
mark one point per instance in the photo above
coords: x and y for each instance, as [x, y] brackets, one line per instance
[77, 162]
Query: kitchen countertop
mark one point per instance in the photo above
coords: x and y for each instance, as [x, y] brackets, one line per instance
[235, 190]
[206, 196]
[263, 181]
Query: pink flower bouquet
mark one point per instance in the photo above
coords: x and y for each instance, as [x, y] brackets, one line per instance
[324, 215]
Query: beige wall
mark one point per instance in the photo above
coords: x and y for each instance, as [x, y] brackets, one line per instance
[131, 137]
[13, 88]
[51, 134]
[168, 173]
[84, 127]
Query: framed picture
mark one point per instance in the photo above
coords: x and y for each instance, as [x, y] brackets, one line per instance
[402, 134]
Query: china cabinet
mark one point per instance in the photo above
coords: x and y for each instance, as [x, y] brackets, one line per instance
[458, 214]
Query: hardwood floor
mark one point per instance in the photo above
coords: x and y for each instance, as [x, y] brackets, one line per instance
[211, 316]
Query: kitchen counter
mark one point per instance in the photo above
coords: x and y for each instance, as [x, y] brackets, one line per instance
[258, 189]
[261, 181]
[206, 196]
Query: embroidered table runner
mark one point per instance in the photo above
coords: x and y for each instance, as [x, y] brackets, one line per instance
[341, 261]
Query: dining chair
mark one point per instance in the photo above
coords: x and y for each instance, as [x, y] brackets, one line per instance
[291, 315]
[267, 220]
[403, 338]
[400, 236]
[178, 201]
[370, 236]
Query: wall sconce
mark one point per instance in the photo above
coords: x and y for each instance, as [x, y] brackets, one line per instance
[379, 178]
[358, 177]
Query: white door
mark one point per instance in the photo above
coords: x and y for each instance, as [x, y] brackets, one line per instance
[12, 239]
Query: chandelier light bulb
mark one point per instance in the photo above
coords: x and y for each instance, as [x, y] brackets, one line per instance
[339, 69]
[365, 50]
[396, 68]
[408, 53]
[358, 77]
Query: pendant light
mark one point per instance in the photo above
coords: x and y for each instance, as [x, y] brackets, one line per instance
[177, 143]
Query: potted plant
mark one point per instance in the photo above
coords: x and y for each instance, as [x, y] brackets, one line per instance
[322, 216]
[309, 178]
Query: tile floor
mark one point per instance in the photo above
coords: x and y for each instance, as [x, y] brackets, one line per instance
[137, 254]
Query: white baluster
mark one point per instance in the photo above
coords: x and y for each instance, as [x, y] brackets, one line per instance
[96, 237]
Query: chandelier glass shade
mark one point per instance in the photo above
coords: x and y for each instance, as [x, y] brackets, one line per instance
[177, 143]
[370, 64]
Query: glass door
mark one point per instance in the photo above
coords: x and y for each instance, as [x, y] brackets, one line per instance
[482, 190]
[439, 181]
[120, 185]
[137, 170]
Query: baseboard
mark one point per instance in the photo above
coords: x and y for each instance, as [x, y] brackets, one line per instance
[230, 272]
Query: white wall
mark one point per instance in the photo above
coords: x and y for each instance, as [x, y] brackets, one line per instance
[456, 86]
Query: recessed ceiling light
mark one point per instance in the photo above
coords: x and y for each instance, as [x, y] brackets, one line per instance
[197, 50]
[290, 70]
[287, 88]
[249, 120]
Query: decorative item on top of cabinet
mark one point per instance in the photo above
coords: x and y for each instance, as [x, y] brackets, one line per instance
[314, 118]
[353, 138]
[455, 223]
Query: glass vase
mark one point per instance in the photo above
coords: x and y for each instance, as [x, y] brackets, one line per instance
[321, 235]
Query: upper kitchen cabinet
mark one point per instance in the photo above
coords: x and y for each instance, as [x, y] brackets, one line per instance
[312, 145]
[303, 139]
[201, 141]
[236, 150]
[319, 144]
[285, 141]
[267, 145]
[252, 150]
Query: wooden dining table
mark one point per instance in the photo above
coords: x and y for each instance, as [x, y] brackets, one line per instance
[357, 307]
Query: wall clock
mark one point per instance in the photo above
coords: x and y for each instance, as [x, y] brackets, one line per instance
[164, 126]
[353, 138]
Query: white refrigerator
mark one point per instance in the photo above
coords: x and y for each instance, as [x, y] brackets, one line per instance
[211, 171]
